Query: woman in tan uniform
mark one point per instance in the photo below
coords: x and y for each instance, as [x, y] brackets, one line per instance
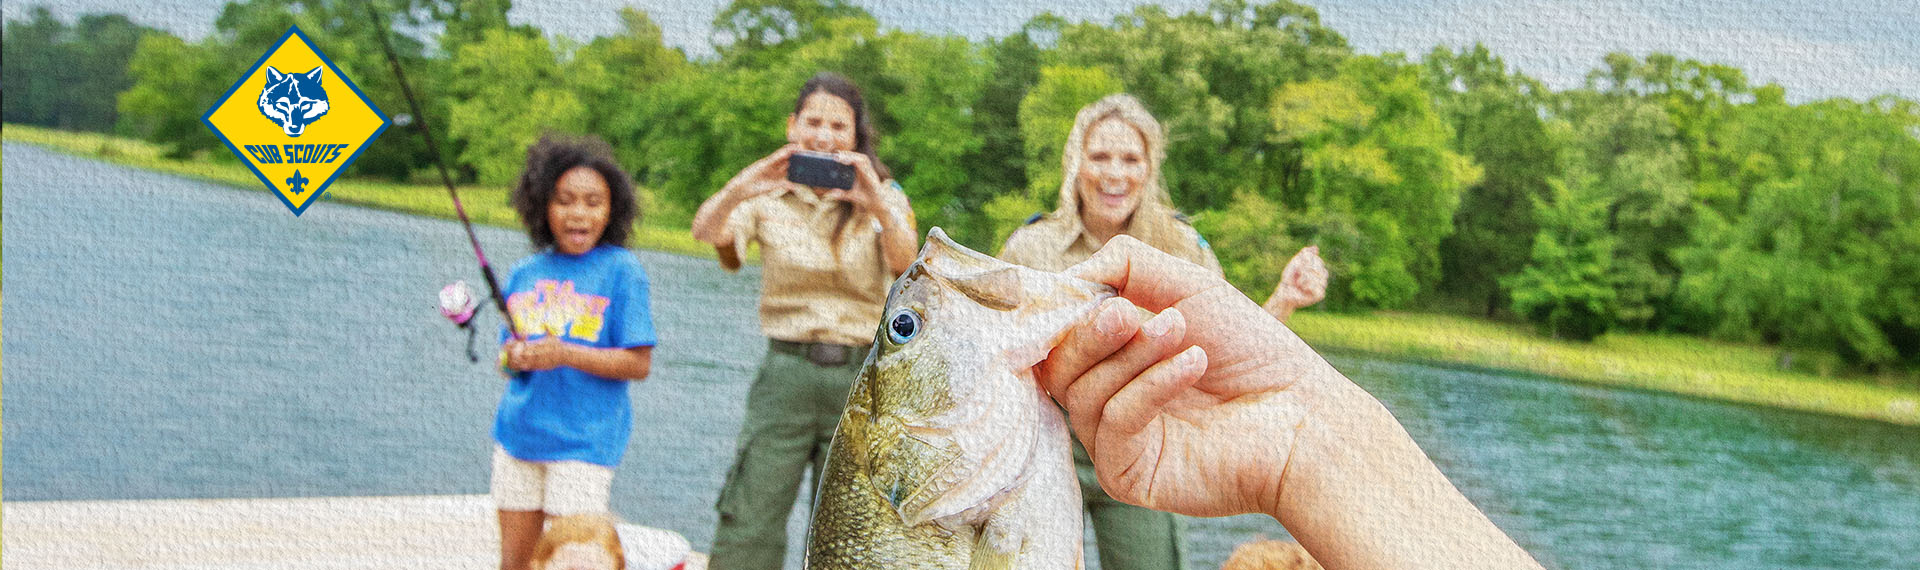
[1112, 186]
[827, 257]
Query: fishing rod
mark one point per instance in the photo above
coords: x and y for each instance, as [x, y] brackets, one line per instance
[420, 120]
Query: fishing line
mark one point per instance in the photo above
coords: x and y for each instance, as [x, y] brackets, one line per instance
[420, 122]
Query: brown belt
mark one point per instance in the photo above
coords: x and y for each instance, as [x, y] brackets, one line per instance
[824, 354]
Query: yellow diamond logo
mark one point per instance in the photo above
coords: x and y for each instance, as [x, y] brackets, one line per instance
[295, 120]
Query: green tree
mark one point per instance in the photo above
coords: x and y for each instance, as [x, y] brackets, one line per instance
[1046, 118]
[697, 129]
[174, 84]
[926, 89]
[1697, 96]
[1650, 129]
[1567, 286]
[1209, 78]
[758, 33]
[995, 197]
[688, 134]
[1627, 148]
[1254, 239]
[67, 77]
[1375, 163]
[1818, 256]
[1263, 99]
[1496, 118]
[512, 88]
[33, 54]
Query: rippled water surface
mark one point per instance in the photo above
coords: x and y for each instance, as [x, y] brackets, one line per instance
[167, 338]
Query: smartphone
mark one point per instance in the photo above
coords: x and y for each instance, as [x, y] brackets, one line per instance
[819, 170]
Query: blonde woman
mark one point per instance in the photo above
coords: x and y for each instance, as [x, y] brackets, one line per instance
[1113, 186]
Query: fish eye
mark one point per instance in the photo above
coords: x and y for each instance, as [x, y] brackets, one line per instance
[903, 326]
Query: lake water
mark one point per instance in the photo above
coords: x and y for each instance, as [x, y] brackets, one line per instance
[167, 338]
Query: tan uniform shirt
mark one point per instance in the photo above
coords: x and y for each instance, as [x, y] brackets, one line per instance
[806, 294]
[1052, 244]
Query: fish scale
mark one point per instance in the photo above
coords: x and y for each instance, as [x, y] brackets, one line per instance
[949, 456]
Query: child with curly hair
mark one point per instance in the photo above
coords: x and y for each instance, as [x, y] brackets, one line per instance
[584, 330]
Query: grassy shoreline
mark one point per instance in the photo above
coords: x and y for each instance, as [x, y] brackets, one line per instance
[484, 204]
[1681, 365]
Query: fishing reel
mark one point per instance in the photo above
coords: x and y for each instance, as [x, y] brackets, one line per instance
[457, 304]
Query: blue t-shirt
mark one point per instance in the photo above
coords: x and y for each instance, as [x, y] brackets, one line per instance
[596, 299]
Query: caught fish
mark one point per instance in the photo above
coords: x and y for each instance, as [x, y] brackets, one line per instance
[949, 454]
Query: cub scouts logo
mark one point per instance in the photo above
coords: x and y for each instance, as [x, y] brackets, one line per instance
[281, 122]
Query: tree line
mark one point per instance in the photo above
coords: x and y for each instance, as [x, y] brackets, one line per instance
[1665, 194]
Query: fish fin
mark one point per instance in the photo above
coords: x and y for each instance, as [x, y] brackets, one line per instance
[986, 557]
[905, 471]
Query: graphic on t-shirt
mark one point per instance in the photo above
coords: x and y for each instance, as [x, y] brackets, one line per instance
[554, 308]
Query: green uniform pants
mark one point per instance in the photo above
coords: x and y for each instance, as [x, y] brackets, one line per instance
[1129, 537]
[792, 410]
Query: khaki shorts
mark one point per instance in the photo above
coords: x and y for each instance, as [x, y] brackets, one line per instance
[557, 487]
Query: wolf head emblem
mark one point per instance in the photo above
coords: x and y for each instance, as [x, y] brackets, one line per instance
[293, 100]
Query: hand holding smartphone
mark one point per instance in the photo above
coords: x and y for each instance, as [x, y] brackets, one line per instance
[819, 170]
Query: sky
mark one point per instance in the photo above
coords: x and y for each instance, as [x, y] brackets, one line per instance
[1815, 49]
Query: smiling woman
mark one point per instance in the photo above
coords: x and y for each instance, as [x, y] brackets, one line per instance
[1113, 186]
[828, 255]
[1112, 164]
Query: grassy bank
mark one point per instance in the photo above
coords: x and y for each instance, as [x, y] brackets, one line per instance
[484, 204]
[1684, 365]
[1672, 364]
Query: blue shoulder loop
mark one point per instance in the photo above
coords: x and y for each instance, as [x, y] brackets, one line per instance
[1033, 218]
[1182, 216]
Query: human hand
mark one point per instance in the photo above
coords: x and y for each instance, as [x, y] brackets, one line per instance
[544, 354]
[1195, 410]
[764, 176]
[865, 193]
[1304, 281]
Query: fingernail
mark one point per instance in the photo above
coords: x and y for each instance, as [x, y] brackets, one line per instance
[1159, 325]
[1189, 358]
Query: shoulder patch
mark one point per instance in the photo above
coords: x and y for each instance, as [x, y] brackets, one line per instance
[1182, 216]
[1033, 218]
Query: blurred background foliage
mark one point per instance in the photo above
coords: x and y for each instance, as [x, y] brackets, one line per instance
[1664, 195]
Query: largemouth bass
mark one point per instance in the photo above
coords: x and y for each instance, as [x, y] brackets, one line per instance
[949, 455]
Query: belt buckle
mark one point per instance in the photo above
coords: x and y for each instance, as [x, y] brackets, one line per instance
[827, 355]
